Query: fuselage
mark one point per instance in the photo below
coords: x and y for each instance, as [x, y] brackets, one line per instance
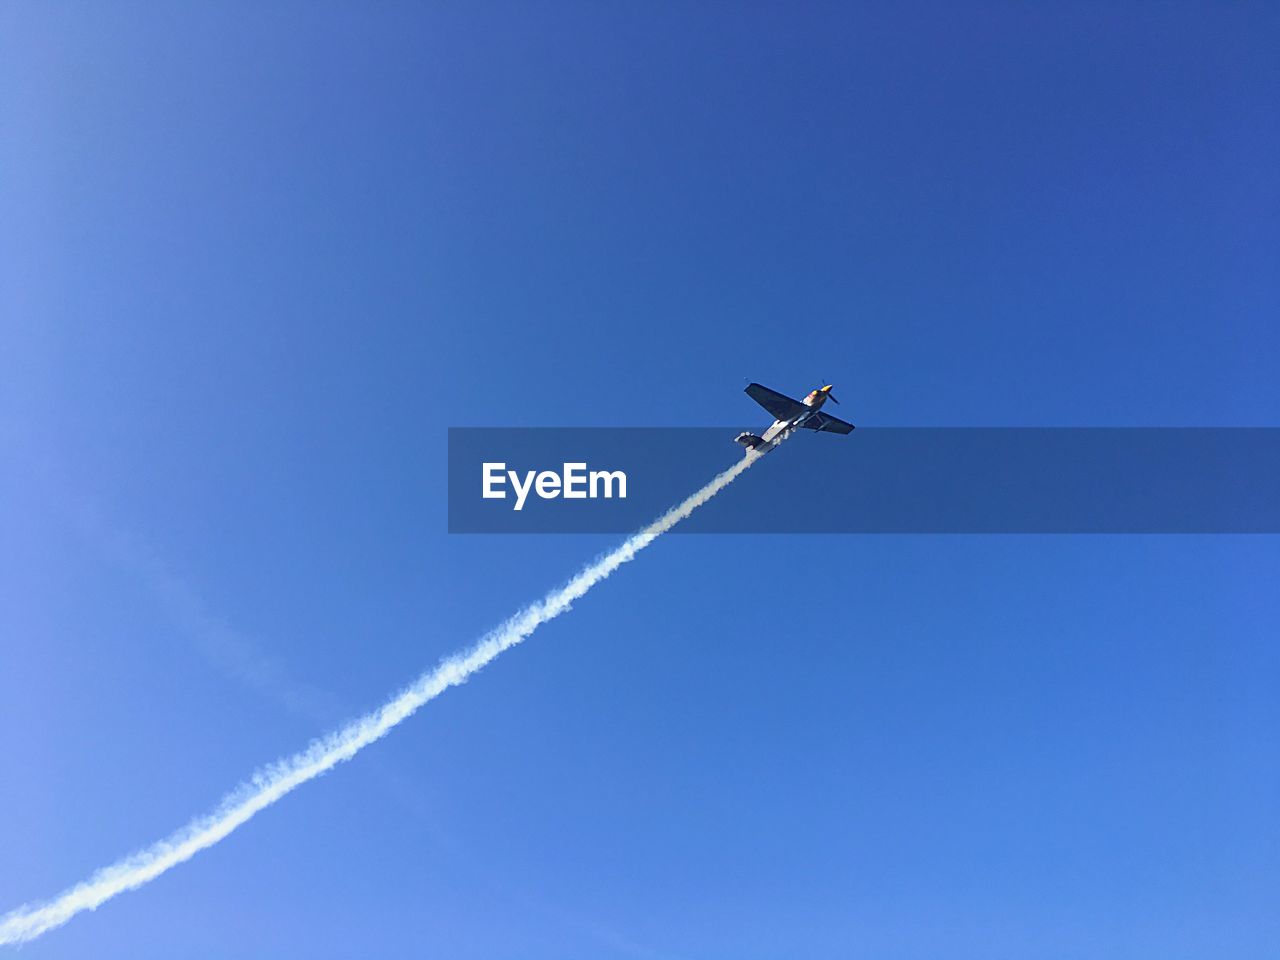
[814, 401]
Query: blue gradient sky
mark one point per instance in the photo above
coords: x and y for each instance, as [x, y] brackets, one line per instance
[255, 261]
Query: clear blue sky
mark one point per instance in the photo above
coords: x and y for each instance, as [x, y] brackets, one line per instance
[256, 260]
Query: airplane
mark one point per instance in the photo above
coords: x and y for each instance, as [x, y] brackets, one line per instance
[791, 415]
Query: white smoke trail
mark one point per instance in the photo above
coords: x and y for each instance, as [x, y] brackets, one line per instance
[273, 782]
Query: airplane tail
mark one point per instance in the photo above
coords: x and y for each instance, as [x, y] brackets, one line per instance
[749, 440]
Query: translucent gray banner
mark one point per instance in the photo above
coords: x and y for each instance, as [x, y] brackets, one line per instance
[876, 480]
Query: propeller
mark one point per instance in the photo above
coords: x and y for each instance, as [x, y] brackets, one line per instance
[831, 396]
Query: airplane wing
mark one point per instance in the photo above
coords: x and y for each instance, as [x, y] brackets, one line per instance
[781, 407]
[827, 424]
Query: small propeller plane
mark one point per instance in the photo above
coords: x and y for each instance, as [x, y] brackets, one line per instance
[790, 415]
